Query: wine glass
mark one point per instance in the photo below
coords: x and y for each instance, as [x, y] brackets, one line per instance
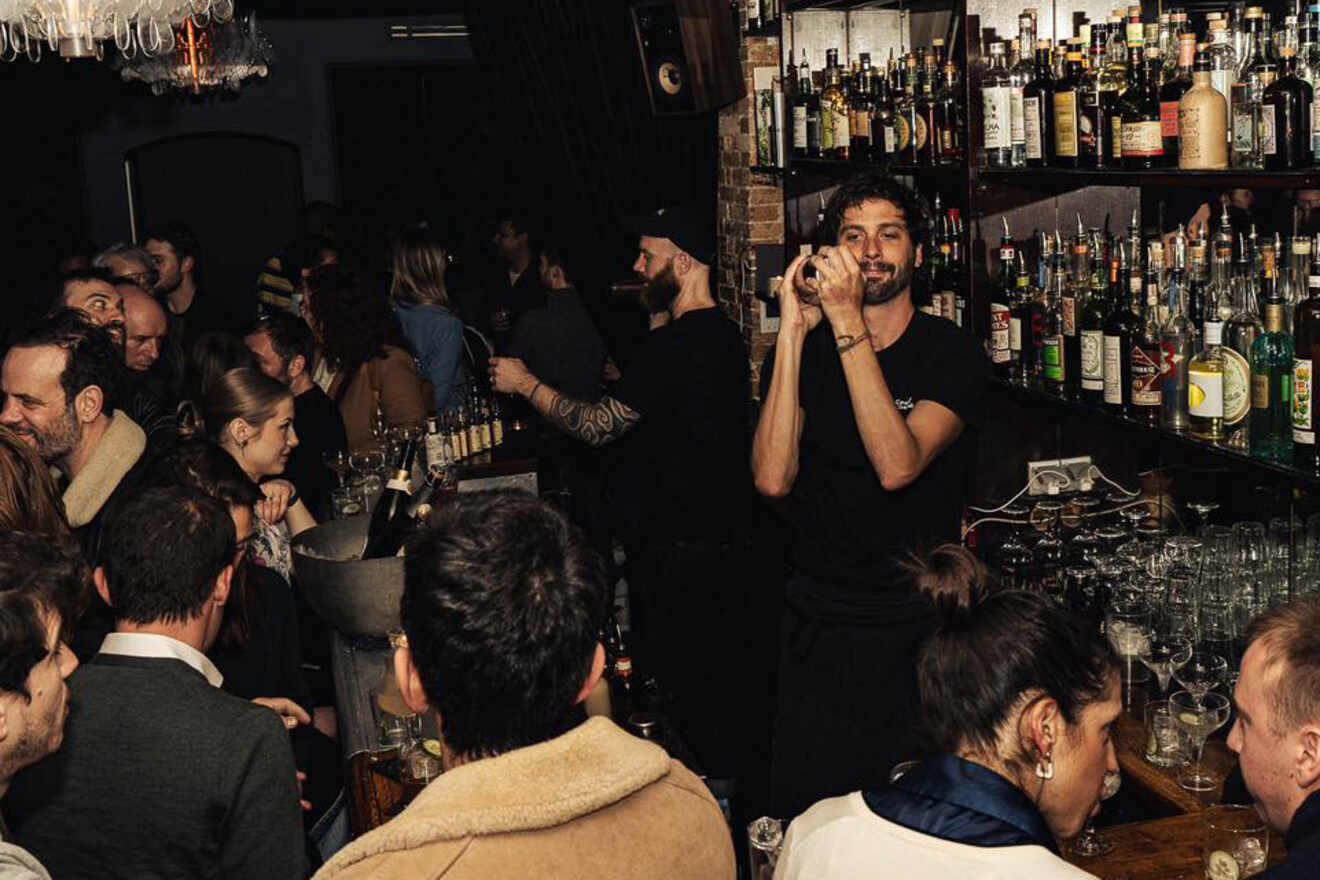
[367, 462]
[1089, 843]
[1198, 717]
[1163, 655]
[1202, 673]
[1015, 557]
[338, 461]
[1050, 553]
[1202, 508]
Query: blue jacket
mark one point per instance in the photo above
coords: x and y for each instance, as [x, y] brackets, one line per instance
[956, 800]
[436, 337]
[1303, 842]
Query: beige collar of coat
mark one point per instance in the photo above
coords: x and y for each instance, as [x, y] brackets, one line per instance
[120, 448]
[592, 766]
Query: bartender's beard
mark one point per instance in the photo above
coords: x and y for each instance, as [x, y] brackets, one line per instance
[895, 280]
[660, 292]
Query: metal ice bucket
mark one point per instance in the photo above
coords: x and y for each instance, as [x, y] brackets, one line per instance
[357, 597]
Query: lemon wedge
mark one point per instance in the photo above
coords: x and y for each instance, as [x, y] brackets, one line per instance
[434, 748]
[1189, 718]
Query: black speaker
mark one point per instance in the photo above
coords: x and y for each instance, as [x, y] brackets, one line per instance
[689, 53]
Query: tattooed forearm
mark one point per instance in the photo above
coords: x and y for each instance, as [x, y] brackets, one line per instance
[593, 423]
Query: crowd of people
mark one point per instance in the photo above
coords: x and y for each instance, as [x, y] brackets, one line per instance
[157, 457]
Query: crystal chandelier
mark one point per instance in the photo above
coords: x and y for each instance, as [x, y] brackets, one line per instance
[205, 57]
[82, 28]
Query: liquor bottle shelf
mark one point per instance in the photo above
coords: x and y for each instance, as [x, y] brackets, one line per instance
[842, 167]
[1071, 178]
[791, 6]
[1037, 397]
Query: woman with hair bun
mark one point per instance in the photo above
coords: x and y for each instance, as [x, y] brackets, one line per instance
[1019, 700]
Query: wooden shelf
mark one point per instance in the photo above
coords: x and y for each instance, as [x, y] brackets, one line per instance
[838, 166]
[1037, 397]
[1071, 178]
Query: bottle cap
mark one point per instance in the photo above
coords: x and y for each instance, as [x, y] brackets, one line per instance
[1214, 332]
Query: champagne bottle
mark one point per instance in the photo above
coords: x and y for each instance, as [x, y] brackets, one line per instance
[389, 520]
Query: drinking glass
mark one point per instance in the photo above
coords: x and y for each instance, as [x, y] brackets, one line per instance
[1015, 557]
[1237, 843]
[1082, 510]
[765, 840]
[1089, 843]
[1163, 737]
[1218, 632]
[347, 501]
[1201, 674]
[338, 461]
[1127, 626]
[1278, 555]
[1202, 508]
[1248, 546]
[1079, 589]
[368, 462]
[1178, 613]
[1217, 568]
[418, 765]
[1198, 717]
[1163, 655]
[1111, 537]
[1306, 573]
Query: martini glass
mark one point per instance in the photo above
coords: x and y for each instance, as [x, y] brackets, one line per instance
[1015, 558]
[1089, 843]
[1163, 655]
[1201, 674]
[1197, 718]
[1202, 508]
[338, 461]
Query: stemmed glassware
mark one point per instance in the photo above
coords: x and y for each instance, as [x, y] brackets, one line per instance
[1050, 553]
[1127, 626]
[1089, 843]
[1198, 717]
[1202, 508]
[338, 461]
[1015, 557]
[1163, 655]
[1201, 674]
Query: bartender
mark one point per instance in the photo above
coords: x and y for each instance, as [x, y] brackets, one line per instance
[866, 406]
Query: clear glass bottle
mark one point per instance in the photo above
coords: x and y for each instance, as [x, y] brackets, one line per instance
[1091, 327]
[1176, 338]
[1067, 114]
[997, 107]
[1147, 355]
[1171, 93]
[1099, 95]
[1308, 69]
[1053, 362]
[1246, 111]
[1121, 326]
[1205, 387]
[1022, 73]
[834, 112]
[1001, 352]
[1223, 67]
[1241, 330]
[1272, 366]
[1024, 322]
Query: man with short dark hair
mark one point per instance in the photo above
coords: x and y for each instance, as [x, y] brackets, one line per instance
[501, 607]
[865, 406]
[41, 581]
[176, 253]
[516, 289]
[163, 774]
[283, 346]
[1277, 732]
[92, 292]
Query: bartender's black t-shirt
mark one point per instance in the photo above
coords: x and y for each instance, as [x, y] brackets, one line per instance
[682, 471]
[848, 530]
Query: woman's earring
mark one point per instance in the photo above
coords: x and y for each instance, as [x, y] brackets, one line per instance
[1045, 767]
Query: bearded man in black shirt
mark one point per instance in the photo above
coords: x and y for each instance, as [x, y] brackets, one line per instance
[865, 405]
[679, 484]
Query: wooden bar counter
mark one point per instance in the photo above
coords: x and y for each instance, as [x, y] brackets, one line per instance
[1161, 849]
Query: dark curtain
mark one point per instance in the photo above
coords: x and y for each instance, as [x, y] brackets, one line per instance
[581, 142]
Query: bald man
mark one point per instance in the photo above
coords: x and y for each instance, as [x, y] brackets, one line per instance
[145, 324]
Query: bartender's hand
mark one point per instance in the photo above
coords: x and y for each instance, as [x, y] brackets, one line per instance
[796, 318]
[841, 285]
[290, 712]
[510, 376]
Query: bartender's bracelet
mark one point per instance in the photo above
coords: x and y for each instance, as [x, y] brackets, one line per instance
[847, 341]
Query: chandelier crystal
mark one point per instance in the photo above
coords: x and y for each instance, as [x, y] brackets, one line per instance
[82, 28]
[205, 57]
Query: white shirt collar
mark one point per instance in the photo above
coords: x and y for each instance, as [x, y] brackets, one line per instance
[153, 645]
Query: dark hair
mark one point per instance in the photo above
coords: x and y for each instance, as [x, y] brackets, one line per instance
[178, 236]
[245, 393]
[289, 336]
[985, 657]
[212, 355]
[36, 574]
[93, 357]
[305, 252]
[29, 500]
[950, 575]
[1290, 634]
[353, 316]
[208, 469]
[556, 255]
[162, 551]
[502, 604]
[420, 258]
[75, 276]
[866, 186]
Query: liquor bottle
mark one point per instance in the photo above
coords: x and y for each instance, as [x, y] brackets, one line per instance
[859, 122]
[1022, 329]
[943, 285]
[997, 104]
[1205, 387]
[1053, 362]
[801, 98]
[1223, 67]
[915, 123]
[1306, 325]
[1000, 317]
[949, 117]
[956, 268]
[884, 125]
[1202, 122]
[1194, 285]
[834, 112]
[1121, 325]
[1240, 334]
[1176, 344]
[1285, 109]
[1272, 366]
[1147, 355]
[1067, 114]
[1075, 293]
[1098, 94]
[1022, 73]
[1300, 260]
[1038, 110]
[1308, 69]
[1169, 51]
[1091, 330]
[1252, 56]
[439, 454]
[389, 519]
[1171, 93]
[928, 140]
[1143, 139]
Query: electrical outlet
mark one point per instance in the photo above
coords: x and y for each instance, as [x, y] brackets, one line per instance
[1052, 476]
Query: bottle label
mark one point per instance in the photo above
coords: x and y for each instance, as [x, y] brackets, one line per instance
[1145, 376]
[1069, 316]
[1116, 137]
[1112, 369]
[1302, 424]
[859, 125]
[1031, 124]
[999, 322]
[923, 132]
[1205, 394]
[904, 132]
[1268, 144]
[1169, 119]
[1143, 139]
[813, 133]
[1017, 131]
[1260, 391]
[1243, 133]
[1274, 317]
[891, 139]
[841, 138]
[1006, 254]
[1052, 359]
[1093, 369]
[998, 117]
[800, 128]
[1065, 124]
[401, 482]
[826, 127]
[1015, 334]
[1237, 387]
[1089, 121]
[1219, 81]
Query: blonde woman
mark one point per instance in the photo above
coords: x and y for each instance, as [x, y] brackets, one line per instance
[422, 304]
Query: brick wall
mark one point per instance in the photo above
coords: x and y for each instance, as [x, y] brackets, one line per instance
[751, 205]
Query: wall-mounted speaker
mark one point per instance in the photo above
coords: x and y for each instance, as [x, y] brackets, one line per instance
[689, 53]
